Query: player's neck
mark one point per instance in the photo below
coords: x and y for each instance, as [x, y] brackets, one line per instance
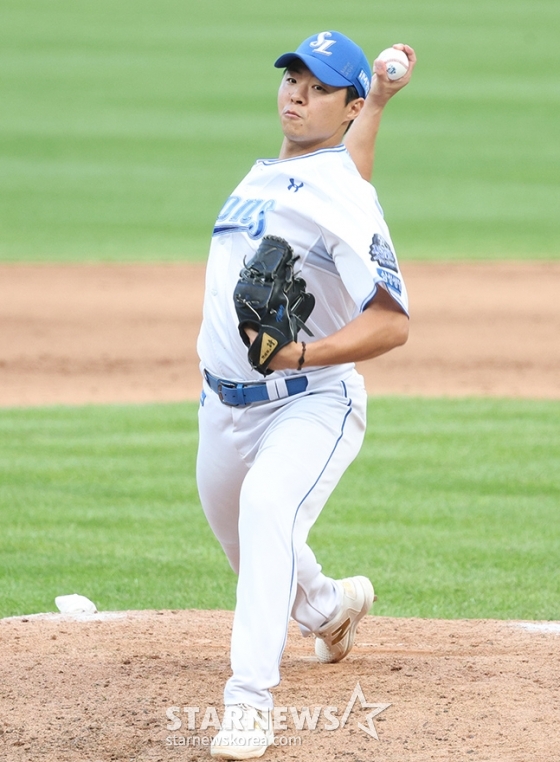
[290, 149]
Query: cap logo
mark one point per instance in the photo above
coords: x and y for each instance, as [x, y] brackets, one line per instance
[321, 44]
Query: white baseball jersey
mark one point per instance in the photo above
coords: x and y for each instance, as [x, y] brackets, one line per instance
[331, 217]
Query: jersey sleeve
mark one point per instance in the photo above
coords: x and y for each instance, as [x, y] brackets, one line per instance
[358, 239]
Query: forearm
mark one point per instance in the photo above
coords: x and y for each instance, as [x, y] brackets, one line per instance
[362, 339]
[361, 137]
[380, 328]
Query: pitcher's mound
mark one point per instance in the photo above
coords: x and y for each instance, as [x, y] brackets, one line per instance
[145, 685]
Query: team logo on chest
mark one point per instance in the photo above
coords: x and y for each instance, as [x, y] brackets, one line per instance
[246, 215]
[382, 253]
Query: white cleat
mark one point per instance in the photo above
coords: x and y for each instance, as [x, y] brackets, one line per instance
[335, 639]
[246, 733]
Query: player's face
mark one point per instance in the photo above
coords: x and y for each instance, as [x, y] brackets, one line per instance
[313, 115]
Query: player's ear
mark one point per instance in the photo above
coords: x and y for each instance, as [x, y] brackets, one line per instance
[354, 108]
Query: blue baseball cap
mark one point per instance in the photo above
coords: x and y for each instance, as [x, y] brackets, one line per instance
[334, 59]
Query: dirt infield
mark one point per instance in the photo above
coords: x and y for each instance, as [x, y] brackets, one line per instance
[123, 333]
[98, 689]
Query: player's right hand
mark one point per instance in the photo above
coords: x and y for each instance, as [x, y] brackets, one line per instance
[383, 88]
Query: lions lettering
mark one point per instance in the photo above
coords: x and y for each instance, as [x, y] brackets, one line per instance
[244, 215]
[391, 280]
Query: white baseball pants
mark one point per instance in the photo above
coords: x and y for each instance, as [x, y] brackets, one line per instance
[264, 473]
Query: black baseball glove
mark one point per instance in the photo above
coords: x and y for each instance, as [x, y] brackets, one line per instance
[272, 301]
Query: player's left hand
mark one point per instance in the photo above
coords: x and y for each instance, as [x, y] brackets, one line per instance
[286, 358]
[271, 302]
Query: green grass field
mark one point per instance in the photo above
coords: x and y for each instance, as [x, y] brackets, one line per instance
[125, 124]
[451, 508]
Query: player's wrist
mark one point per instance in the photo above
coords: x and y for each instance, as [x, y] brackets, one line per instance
[296, 353]
[377, 99]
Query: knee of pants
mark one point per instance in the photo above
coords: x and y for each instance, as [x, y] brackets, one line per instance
[263, 508]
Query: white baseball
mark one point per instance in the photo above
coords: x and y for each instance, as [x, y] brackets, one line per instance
[396, 62]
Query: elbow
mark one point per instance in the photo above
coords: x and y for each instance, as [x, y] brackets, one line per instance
[400, 330]
[396, 320]
[405, 324]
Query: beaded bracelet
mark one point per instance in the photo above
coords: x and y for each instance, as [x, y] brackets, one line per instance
[302, 358]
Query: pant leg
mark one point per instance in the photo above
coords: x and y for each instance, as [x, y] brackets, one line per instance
[306, 448]
[317, 596]
[220, 471]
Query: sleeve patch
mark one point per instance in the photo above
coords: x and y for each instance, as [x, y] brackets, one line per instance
[381, 252]
[392, 281]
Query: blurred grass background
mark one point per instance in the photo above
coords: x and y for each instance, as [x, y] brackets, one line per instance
[451, 509]
[123, 127]
[125, 124]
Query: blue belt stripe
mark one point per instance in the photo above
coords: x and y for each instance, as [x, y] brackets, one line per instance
[239, 394]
